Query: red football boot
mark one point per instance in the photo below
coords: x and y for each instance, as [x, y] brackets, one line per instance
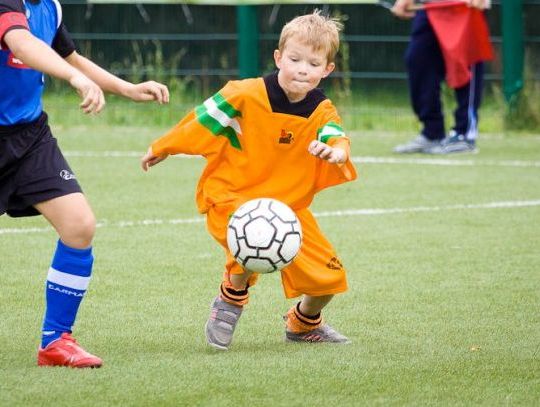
[67, 352]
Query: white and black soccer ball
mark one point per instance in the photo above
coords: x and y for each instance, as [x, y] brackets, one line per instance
[264, 235]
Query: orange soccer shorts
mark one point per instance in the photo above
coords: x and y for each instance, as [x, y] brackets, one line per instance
[315, 271]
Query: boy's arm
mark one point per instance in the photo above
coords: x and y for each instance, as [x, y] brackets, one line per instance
[142, 92]
[205, 130]
[331, 144]
[186, 137]
[39, 56]
[150, 159]
[334, 173]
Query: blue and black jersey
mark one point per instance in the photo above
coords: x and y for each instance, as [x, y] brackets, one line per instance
[21, 87]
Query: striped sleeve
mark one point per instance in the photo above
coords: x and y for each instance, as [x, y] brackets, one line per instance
[332, 133]
[330, 129]
[206, 128]
[220, 118]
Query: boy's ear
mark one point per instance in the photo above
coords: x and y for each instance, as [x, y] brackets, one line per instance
[329, 69]
[277, 57]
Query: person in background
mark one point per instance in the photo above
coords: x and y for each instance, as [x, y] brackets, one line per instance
[428, 64]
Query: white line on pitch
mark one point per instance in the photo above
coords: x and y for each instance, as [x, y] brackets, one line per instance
[360, 160]
[382, 211]
[346, 212]
[444, 162]
[116, 154]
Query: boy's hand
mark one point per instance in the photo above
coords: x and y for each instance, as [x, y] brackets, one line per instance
[93, 100]
[326, 152]
[149, 159]
[148, 91]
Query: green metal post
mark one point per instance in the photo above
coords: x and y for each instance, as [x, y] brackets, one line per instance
[512, 48]
[248, 41]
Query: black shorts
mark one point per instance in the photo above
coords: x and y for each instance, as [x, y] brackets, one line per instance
[32, 168]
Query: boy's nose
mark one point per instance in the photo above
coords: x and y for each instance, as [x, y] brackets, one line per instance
[302, 69]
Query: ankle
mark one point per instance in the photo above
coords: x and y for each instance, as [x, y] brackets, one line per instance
[297, 322]
[233, 296]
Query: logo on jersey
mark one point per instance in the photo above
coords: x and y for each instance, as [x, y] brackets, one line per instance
[65, 174]
[15, 62]
[334, 264]
[286, 137]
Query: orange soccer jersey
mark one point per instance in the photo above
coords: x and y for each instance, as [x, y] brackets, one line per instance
[255, 142]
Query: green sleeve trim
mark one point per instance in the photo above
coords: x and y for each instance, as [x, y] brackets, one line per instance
[225, 106]
[218, 116]
[328, 131]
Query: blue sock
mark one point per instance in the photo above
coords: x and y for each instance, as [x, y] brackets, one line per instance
[66, 284]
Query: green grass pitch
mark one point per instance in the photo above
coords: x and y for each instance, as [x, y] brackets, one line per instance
[443, 258]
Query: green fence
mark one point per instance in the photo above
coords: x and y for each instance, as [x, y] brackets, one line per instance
[172, 40]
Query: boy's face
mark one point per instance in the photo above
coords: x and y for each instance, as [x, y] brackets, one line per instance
[301, 68]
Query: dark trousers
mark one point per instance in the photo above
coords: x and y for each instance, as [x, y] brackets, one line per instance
[426, 71]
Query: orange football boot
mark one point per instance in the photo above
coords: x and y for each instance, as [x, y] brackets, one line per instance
[67, 352]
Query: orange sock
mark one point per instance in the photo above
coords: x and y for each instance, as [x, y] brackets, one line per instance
[299, 323]
[232, 296]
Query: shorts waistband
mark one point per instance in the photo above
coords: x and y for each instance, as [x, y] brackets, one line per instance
[16, 128]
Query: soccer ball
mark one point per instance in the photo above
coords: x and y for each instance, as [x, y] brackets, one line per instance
[264, 235]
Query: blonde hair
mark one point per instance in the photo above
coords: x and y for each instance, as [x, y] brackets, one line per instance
[316, 30]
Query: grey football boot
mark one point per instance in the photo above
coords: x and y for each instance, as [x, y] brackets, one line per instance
[220, 326]
[420, 144]
[324, 333]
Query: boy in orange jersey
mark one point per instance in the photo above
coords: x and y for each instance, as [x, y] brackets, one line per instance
[277, 137]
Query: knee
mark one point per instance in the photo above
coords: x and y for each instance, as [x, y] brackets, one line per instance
[86, 228]
[80, 231]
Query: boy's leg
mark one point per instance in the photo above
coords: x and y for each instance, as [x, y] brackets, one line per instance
[67, 280]
[306, 315]
[318, 274]
[304, 327]
[313, 305]
[45, 184]
[227, 307]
